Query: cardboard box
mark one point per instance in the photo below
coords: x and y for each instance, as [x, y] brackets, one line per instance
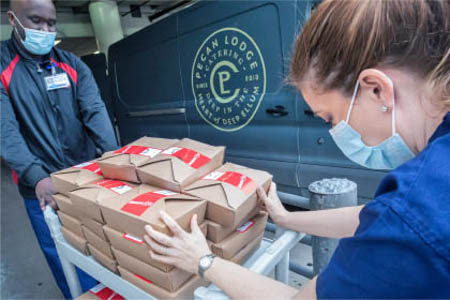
[65, 205]
[100, 292]
[141, 206]
[231, 192]
[245, 253]
[76, 241]
[69, 179]
[98, 242]
[88, 197]
[121, 164]
[181, 165]
[137, 247]
[104, 260]
[186, 291]
[71, 223]
[95, 227]
[236, 241]
[170, 281]
[217, 232]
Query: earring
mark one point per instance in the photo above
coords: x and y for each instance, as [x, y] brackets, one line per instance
[384, 108]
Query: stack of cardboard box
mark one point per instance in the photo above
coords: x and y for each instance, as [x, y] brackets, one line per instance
[87, 199]
[66, 181]
[234, 218]
[182, 178]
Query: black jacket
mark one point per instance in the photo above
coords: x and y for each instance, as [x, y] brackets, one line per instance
[46, 131]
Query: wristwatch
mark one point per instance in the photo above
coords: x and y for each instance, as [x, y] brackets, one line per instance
[205, 263]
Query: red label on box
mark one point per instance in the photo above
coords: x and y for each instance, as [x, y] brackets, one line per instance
[142, 278]
[245, 227]
[90, 166]
[132, 238]
[190, 157]
[104, 293]
[138, 205]
[118, 187]
[242, 182]
[139, 150]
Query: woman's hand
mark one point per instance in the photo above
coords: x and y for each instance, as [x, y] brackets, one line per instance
[183, 250]
[272, 204]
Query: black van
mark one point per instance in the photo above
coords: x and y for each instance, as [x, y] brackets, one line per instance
[216, 72]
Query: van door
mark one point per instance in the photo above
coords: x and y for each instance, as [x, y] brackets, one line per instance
[97, 64]
[148, 95]
[233, 65]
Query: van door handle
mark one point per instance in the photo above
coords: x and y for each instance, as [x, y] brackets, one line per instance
[277, 111]
[311, 114]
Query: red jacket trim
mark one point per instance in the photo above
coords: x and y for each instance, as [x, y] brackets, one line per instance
[7, 73]
[68, 69]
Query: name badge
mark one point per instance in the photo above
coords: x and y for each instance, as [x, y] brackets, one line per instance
[57, 81]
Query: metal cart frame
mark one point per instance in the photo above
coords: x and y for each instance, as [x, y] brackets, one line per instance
[272, 254]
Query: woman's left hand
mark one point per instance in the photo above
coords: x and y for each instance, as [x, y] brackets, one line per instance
[183, 250]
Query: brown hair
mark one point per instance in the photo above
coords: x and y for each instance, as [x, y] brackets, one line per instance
[344, 37]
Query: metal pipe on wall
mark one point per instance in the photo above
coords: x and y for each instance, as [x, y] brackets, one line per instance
[105, 19]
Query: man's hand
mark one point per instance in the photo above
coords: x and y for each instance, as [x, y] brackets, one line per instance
[272, 204]
[45, 191]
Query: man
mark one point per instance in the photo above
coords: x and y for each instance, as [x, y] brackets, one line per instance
[52, 115]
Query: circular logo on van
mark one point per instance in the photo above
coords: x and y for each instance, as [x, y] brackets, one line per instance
[228, 79]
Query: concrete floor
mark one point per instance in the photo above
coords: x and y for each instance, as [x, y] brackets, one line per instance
[24, 273]
[23, 268]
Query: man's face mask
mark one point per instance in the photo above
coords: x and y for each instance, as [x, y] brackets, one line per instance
[388, 155]
[37, 42]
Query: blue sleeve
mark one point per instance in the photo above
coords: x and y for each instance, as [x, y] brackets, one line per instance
[14, 149]
[385, 259]
[93, 110]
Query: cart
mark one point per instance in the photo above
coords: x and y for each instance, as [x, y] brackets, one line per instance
[271, 255]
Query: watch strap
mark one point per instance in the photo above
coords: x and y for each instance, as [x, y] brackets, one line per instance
[201, 269]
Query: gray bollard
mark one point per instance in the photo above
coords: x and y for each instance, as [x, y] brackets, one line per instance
[326, 194]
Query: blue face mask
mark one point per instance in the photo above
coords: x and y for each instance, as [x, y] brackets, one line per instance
[37, 42]
[388, 155]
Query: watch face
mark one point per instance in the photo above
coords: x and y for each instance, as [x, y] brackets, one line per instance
[204, 262]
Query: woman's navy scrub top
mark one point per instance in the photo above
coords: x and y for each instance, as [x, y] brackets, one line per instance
[401, 248]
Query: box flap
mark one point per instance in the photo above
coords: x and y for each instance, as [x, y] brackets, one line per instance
[150, 200]
[76, 177]
[138, 152]
[147, 201]
[236, 182]
[103, 189]
[182, 159]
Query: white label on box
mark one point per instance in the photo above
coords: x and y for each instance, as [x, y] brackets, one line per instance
[132, 238]
[165, 193]
[151, 152]
[214, 175]
[171, 150]
[121, 189]
[83, 164]
[245, 227]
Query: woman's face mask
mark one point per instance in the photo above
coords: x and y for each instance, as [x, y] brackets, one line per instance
[389, 154]
[37, 42]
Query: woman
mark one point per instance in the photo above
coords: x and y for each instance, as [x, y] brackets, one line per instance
[379, 72]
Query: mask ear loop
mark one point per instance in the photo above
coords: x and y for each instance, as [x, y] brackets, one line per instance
[393, 107]
[18, 22]
[355, 92]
